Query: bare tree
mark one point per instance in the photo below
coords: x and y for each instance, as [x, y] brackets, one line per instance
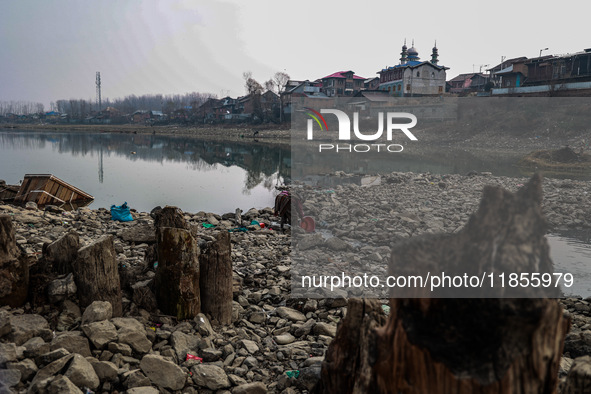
[270, 85]
[254, 90]
[280, 80]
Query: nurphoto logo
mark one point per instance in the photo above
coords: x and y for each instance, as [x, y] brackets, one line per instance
[344, 130]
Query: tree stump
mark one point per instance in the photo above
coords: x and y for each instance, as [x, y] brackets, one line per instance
[62, 252]
[215, 266]
[453, 345]
[169, 217]
[578, 380]
[14, 267]
[96, 274]
[176, 284]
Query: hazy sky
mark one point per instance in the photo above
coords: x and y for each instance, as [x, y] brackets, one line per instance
[52, 49]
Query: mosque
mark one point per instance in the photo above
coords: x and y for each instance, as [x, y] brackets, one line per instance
[413, 77]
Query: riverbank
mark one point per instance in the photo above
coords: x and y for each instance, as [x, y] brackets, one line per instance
[444, 135]
[270, 133]
[275, 342]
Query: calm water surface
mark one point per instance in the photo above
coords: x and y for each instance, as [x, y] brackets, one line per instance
[149, 170]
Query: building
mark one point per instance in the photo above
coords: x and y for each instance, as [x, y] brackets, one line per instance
[300, 89]
[468, 83]
[568, 74]
[342, 83]
[413, 77]
[371, 83]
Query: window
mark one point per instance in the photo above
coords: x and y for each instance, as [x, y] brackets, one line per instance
[408, 88]
[399, 87]
[432, 75]
[440, 91]
[418, 74]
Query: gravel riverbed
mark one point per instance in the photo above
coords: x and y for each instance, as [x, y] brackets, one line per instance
[275, 343]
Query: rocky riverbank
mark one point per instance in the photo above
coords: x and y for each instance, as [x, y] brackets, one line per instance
[275, 343]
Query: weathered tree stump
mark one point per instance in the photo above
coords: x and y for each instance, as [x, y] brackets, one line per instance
[453, 345]
[169, 217]
[350, 357]
[578, 380]
[176, 284]
[96, 274]
[62, 252]
[215, 266]
[14, 267]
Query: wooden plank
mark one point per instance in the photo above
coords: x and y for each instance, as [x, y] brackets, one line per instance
[54, 187]
[56, 190]
[64, 193]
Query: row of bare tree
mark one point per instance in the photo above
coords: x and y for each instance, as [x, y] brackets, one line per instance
[20, 107]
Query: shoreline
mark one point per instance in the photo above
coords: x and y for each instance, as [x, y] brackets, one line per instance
[432, 137]
[269, 134]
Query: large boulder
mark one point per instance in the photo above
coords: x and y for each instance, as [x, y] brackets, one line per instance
[97, 311]
[163, 373]
[210, 376]
[73, 342]
[25, 327]
[100, 333]
[81, 373]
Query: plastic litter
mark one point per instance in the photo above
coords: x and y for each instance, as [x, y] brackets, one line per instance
[238, 229]
[192, 357]
[208, 225]
[121, 213]
[292, 374]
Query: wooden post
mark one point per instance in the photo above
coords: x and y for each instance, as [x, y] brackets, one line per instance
[97, 275]
[14, 267]
[215, 265]
[176, 284]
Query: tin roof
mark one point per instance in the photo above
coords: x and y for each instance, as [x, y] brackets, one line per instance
[339, 74]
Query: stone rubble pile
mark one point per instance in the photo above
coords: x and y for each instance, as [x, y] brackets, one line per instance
[275, 343]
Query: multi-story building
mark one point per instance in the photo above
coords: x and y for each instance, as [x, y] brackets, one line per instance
[568, 74]
[413, 77]
[342, 83]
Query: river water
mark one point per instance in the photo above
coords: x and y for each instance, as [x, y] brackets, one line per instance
[150, 170]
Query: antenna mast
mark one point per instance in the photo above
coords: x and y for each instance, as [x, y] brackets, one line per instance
[98, 91]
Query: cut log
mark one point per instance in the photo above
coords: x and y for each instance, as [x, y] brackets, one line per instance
[176, 284]
[96, 274]
[14, 267]
[62, 252]
[215, 266]
[454, 345]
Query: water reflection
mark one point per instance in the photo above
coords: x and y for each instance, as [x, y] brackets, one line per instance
[571, 252]
[196, 174]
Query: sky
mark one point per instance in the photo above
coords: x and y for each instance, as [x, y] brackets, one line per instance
[51, 50]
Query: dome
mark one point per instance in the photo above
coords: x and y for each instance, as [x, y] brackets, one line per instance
[413, 51]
